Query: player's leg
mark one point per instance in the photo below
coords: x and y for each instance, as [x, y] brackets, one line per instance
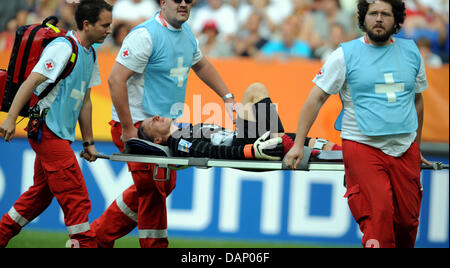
[257, 115]
[253, 94]
[369, 193]
[67, 184]
[70, 190]
[118, 220]
[405, 178]
[152, 211]
[29, 206]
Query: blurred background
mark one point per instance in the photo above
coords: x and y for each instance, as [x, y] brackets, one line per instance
[281, 43]
[251, 28]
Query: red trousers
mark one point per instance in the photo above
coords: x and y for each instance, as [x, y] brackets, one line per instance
[56, 174]
[384, 194]
[144, 204]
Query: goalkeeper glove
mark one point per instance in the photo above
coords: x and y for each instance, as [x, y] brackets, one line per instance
[265, 148]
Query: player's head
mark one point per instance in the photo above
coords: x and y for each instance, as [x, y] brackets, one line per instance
[95, 18]
[176, 12]
[380, 19]
[155, 129]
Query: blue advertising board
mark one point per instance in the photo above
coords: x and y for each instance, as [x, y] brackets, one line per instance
[279, 206]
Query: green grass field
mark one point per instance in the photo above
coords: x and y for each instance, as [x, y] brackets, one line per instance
[44, 239]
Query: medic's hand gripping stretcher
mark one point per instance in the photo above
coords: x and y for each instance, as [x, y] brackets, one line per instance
[143, 151]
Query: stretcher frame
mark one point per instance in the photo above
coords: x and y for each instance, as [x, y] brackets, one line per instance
[144, 151]
[205, 163]
[150, 153]
[178, 163]
[248, 165]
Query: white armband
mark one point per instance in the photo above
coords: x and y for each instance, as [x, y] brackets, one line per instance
[318, 145]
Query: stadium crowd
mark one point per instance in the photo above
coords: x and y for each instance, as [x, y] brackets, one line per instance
[259, 29]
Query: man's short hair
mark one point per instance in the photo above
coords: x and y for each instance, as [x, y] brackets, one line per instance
[398, 8]
[143, 136]
[90, 10]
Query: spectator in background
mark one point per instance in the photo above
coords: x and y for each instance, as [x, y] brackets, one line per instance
[43, 9]
[289, 46]
[349, 5]
[337, 36]
[7, 36]
[445, 48]
[223, 14]
[236, 4]
[427, 19]
[119, 33]
[66, 14]
[115, 40]
[133, 12]
[16, 10]
[12, 15]
[241, 7]
[210, 43]
[272, 16]
[194, 9]
[302, 10]
[429, 58]
[248, 41]
[317, 25]
[280, 10]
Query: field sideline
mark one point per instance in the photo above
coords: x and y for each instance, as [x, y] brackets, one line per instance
[47, 239]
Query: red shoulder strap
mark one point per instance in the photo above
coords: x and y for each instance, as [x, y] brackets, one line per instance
[67, 70]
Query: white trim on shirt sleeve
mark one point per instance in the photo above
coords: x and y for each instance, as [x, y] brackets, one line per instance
[95, 78]
[136, 50]
[421, 83]
[332, 76]
[197, 55]
[53, 60]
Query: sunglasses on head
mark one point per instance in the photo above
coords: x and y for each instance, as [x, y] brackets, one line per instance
[186, 1]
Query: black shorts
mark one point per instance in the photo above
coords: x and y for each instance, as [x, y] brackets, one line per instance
[267, 119]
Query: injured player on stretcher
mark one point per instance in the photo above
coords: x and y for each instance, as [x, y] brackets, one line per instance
[259, 133]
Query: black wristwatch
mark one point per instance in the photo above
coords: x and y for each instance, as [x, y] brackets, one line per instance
[88, 143]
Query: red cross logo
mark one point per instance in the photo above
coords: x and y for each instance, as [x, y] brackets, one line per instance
[126, 53]
[49, 65]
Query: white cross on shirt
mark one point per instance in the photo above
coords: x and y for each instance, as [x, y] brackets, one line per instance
[180, 72]
[390, 88]
[78, 95]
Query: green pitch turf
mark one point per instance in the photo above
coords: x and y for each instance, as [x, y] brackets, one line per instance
[43, 239]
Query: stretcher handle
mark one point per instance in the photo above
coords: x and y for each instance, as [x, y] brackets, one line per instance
[435, 166]
[107, 157]
[102, 156]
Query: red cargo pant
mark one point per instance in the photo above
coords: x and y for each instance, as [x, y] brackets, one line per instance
[144, 202]
[56, 174]
[384, 194]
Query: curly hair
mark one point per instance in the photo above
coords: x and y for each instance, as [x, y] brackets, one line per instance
[398, 8]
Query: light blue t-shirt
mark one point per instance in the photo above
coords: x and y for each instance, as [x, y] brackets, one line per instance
[382, 85]
[298, 49]
[66, 99]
